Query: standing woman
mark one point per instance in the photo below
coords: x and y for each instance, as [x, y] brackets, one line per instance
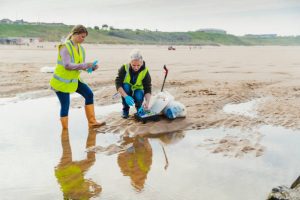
[66, 78]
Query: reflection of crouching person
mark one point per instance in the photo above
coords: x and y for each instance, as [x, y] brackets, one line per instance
[134, 83]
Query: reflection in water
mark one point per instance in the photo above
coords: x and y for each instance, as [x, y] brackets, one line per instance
[167, 139]
[136, 160]
[70, 174]
[172, 138]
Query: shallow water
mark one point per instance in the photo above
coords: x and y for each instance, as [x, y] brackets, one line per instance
[246, 109]
[38, 161]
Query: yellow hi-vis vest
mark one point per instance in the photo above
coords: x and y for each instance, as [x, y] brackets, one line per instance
[65, 80]
[139, 81]
[72, 182]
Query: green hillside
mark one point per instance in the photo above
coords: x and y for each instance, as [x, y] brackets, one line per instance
[54, 32]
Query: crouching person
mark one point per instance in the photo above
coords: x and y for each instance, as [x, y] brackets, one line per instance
[134, 83]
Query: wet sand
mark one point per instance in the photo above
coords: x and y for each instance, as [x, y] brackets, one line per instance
[204, 80]
[232, 94]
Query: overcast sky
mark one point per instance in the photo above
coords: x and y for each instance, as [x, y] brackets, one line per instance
[237, 17]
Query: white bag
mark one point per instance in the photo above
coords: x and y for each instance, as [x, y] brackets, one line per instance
[160, 101]
[174, 109]
[47, 69]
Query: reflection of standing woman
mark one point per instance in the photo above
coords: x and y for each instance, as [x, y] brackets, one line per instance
[66, 78]
[70, 174]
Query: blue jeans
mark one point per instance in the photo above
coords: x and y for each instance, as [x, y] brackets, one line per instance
[64, 98]
[137, 95]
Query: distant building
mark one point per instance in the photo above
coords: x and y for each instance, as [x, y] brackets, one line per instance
[35, 40]
[52, 24]
[20, 21]
[212, 30]
[8, 41]
[104, 27]
[262, 35]
[6, 21]
[19, 40]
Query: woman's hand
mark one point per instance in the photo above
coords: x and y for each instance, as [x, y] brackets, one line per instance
[90, 65]
[95, 67]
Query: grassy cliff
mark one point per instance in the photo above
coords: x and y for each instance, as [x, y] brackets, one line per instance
[55, 32]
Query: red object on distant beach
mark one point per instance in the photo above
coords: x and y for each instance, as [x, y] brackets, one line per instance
[171, 48]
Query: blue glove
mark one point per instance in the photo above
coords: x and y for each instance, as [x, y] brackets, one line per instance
[141, 111]
[89, 70]
[129, 100]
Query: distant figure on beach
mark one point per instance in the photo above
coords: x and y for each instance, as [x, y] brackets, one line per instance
[66, 78]
[133, 82]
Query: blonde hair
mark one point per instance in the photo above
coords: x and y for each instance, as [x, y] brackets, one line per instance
[78, 29]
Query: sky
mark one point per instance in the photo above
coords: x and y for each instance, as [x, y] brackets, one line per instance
[237, 17]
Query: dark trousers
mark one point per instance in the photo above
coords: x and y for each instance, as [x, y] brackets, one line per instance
[137, 95]
[64, 98]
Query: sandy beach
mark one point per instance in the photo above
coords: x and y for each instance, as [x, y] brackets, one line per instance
[238, 141]
[203, 79]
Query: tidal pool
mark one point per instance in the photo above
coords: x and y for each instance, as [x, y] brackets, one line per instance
[39, 161]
